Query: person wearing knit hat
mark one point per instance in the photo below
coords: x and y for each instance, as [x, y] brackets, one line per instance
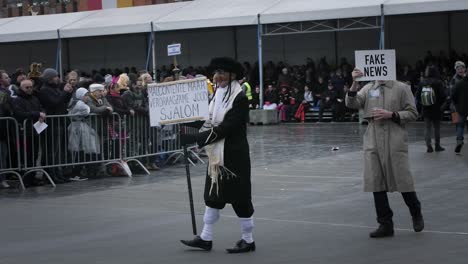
[459, 64]
[97, 101]
[460, 102]
[224, 136]
[55, 99]
[81, 137]
[49, 75]
[96, 87]
[459, 75]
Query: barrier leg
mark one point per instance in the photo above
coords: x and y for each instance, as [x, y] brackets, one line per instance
[17, 176]
[140, 164]
[45, 173]
[122, 164]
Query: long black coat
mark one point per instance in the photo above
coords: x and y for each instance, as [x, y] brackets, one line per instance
[236, 154]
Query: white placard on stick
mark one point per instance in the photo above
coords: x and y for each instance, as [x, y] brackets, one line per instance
[174, 49]
[377, 65]
[178, 102]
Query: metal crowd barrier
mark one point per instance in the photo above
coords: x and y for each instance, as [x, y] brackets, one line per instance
[146, 142]
[75, 141]
[10, 162]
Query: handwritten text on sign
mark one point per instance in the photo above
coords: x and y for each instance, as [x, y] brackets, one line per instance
[178, 102]
[376, 64]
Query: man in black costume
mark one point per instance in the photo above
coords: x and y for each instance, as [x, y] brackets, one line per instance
[224, 136]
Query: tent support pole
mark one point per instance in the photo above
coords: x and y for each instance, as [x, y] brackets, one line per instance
[382, 27]
[153, 47]
[260, 59]
[58, 66]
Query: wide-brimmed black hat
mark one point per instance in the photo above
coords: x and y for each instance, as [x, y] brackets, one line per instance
[228, 65]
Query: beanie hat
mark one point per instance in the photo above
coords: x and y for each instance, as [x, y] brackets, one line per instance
[49, 74]
[80, 93]
[96, 87]
[459, 64]
[108, 78]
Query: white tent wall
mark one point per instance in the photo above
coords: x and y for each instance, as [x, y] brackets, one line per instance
[198, 46]
[247, 44]
[459, 22]
[413, 35]
[350, 41]
[108, 52]
[21, 54]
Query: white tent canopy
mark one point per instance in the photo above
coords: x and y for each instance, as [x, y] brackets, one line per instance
[30, 28]
[306, 10]
[119, 20]
[206, 14]
[215, 13]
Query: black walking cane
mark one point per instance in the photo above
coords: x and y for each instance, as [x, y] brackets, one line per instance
[189, 183]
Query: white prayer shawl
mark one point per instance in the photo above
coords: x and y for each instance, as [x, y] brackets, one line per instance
[215, 151]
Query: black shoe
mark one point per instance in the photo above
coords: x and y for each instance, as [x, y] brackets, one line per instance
[430, 149]
[439, 148]
[382, 231]
[418, 224]
[458, 148]
[198, 242]
[241, 247]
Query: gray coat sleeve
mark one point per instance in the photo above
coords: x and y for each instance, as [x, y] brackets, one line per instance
[408, 110]
[357, 100]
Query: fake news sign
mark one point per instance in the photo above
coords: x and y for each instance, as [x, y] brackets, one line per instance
[178, 102]
[377, 65]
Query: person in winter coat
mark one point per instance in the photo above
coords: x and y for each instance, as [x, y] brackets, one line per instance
[224, 136]
[134, 99]
[97, 102]
[83, 141]
[55, 101]
[431, 96]
[460, 101]
[116, 101]
[388, 106]
[26, 106]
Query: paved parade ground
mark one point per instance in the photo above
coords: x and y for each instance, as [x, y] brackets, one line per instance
[310, 208]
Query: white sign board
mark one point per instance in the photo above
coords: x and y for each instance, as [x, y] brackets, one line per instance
[178, 102]
[173, 49]
[377, 65]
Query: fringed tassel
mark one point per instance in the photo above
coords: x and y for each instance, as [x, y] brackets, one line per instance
[216, 174]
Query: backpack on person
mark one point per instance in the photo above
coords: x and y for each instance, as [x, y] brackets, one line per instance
[428, 97]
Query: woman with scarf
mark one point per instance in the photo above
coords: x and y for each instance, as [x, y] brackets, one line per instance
[224, 136]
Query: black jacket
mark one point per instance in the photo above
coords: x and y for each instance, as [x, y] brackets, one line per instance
[433, 111]
[26, 107]
[136, 102]
[53, 99]
[460, 96]
[117, 103]
[233, 130]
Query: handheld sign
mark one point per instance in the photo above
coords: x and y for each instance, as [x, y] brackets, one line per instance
[178, 102]
[173, 49]
[377, 65]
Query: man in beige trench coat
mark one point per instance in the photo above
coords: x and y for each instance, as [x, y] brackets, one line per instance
[388, 106]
